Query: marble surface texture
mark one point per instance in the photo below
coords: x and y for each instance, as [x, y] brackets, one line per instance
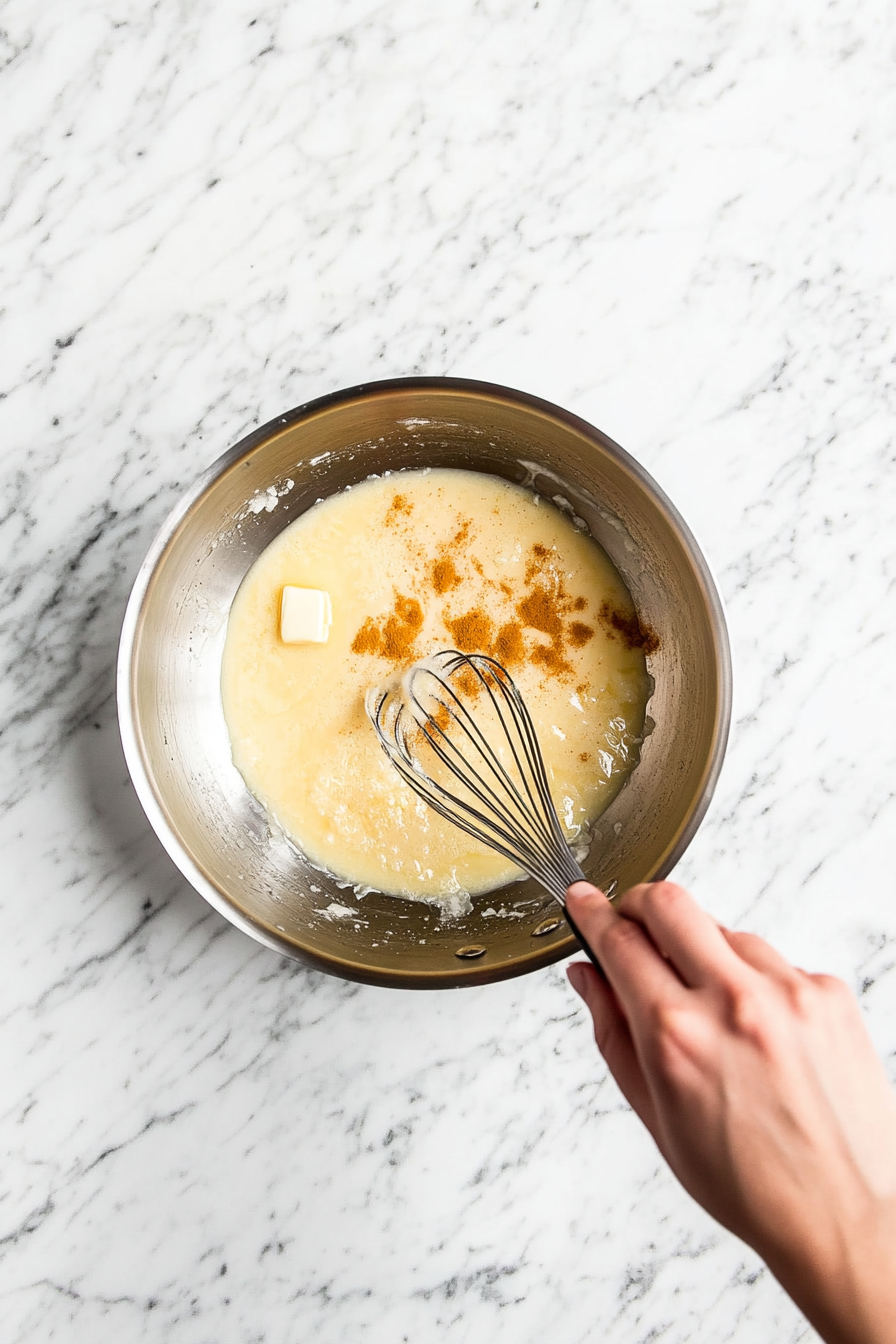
[676, 220]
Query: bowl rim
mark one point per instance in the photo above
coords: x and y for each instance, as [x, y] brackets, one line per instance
[127, 717]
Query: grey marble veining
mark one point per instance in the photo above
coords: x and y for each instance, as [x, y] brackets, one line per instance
[677, 222]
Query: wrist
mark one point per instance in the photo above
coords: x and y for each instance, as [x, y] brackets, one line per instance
[847, 1287]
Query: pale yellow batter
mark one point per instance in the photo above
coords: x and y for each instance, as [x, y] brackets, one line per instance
[416, 562]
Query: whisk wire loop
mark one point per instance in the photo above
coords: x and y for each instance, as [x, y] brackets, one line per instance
[485, 827]
[505, 800]
[506, 815]
[443, 745]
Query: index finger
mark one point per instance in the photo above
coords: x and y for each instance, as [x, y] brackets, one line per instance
[639, 976]
[683, 931]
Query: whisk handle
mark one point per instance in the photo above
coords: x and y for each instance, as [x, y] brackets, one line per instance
[571, 873]
[585, 948]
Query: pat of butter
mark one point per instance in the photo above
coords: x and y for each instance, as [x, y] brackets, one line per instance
[306, 615]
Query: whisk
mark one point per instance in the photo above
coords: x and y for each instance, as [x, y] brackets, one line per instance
[436, 743]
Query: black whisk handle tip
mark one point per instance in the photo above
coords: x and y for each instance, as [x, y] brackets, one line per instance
[585, 948]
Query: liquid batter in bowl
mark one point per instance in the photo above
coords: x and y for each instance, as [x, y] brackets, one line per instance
[414, 563]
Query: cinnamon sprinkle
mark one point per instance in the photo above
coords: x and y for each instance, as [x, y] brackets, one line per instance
[541, 612]
[580, 633]
[400, 504]
[367, 640]
[545, 608]
[508, 646]
[395, 638]
[472, 632]
[634, 633]
[444, 575]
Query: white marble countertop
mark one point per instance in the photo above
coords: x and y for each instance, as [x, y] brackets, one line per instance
[676, 221]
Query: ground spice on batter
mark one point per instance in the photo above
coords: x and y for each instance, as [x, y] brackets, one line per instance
[633, 633]
[546, 608]
[395, 638]
[444, 574]
[472, 632]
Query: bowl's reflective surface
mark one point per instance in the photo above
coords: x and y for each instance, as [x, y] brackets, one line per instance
[173, 729]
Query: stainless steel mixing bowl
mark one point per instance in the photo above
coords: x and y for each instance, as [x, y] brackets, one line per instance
[172, 724]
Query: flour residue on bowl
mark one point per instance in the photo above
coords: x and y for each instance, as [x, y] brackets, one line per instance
[413, 563]
[265, 501]
[336, 911]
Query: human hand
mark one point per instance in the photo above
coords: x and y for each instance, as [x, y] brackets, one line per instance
[762, 1091]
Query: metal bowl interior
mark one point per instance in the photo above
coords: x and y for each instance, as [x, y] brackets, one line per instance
[172, 724]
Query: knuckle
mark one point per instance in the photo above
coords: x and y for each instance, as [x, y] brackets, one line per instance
[750, 1016]
[832, 987]
[621, 935]
[660, 893]
[668, 891]
[809, 996]
[631, 896]
[664, 895]
[832, 998]
[677, 1038]
[803, 995]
